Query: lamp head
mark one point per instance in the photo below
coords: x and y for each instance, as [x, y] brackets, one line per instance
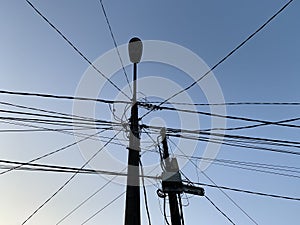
[135, 49]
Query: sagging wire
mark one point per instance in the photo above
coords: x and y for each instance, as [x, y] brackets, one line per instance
[145, 194]
[181, 210]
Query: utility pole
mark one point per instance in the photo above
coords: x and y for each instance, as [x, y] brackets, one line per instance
[171, 170]
[172, 183]
[132, 208]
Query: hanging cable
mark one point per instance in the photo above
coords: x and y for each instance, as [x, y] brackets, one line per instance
[104, 207]
[165, 213]
[226, 195]
[145, 193]
[115, 43]
[75, 48]
[68, 181]
[227, 56]
[265, 166]
[217, 208]
[158, 107]
[229, 103]
[50, 153]
[249, 192]
[87, 199]
[65, 97]
[181, 209]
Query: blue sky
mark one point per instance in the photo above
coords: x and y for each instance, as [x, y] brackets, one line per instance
[34, 58]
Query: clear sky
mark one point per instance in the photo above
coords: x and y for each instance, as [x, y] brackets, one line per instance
[36, 59]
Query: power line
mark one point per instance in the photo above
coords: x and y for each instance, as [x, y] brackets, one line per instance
[252, 147]
[217, 208]
[61, 97]
[68, 181]
[249, 192]
[239, 141]
[37, 130]
[267, 141]
[165, 213]
[238, 138]
[96, 213]
[63, 119]
[252, 126]
[50, 153]
[52, 116]
[115, 43]
[258, 170]
[63, 131]
[284, 168]
[229, 103]
[87, 199]
[84, 125]
[223, 192]
[100, 210]
[235, 141]
[230, 198]
[145, 193]
[67, 131]
[74, 119]
[44, 111]
[63, 169]
[227, 56]
[181, 209]
[74, 47]
[158, 107]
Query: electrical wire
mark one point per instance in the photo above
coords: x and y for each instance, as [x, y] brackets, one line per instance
[87, 199]
[226, 137]
[230, 103]
[238, 137]
[258, 170]
[284, 168]
[30, 122]
[148, 214]
[74, 47]
[158, 107]
[227, 56]
[234, 140]
[165, 214]
[104, 207]
[224, 193]
[50, 153]
[115, 43]
[249, 192]
[65, 97]
[181, 209]
[145, 193]
[44, 111]
[74, 120]
[68, 181]
[230, 198]
[217, 208]
[64, 121]
[64, 131]
[252, 126]
[65, 169]
[37, 130]
[240, 146]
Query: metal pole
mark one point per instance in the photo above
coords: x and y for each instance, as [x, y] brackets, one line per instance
[132, 210]
[173, 201]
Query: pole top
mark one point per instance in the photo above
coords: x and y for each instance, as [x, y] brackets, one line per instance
[135, 49]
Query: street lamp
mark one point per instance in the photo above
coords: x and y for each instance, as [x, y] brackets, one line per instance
[132, 208]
